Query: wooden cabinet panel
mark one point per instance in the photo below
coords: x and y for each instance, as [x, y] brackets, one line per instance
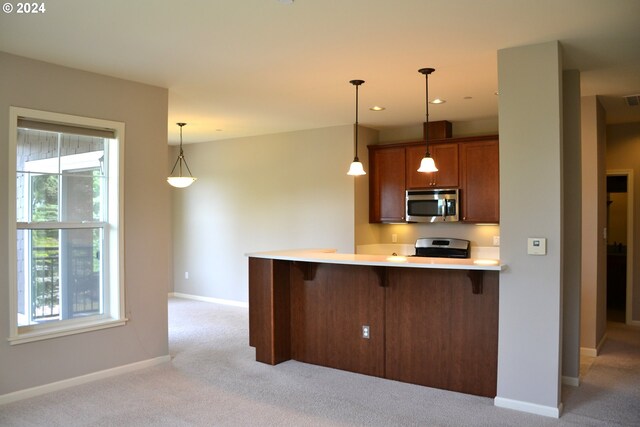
[386, 184]
[269, 325]
[480, 181]
[439, 333]
[446, 158]
[328, 313]
[427, 326]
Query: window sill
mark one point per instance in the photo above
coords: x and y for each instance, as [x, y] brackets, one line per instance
[45, 334]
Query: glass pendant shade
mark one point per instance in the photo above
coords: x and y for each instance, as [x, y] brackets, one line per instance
[356, 168]
[180, 180]
[427, 165]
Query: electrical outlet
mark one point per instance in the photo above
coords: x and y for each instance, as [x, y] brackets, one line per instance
[496, 240]
[394, 238]
[366, 332]
[186, 275]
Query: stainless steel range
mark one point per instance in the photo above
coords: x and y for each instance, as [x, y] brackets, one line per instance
[443, 247]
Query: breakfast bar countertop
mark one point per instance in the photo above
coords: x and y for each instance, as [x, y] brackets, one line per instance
[331, 256]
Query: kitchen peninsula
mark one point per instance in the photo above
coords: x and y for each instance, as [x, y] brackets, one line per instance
[427, 321]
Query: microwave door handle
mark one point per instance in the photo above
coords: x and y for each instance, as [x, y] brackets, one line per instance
[444, 209]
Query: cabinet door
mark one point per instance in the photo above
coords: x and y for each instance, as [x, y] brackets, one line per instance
[386, 184]
[446, 158]
[480, 181]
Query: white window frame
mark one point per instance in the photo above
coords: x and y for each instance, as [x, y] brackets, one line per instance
[114, 233]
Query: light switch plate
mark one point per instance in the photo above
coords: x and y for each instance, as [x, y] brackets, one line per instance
[537, 246]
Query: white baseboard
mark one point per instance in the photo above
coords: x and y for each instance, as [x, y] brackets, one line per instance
[210, 299]
[532, 408]
[83, 379]
[593, 352]
[572, 381]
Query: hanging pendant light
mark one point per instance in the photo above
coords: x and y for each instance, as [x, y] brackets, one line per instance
[427, 164]
[180, 181]
[356, 167]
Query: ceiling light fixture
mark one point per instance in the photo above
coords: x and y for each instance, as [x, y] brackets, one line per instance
[377, 108]
[438, 101]
[180, 181]
[356, 167]
[427, 164]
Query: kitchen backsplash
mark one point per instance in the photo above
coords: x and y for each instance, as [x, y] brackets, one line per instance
[485, 252]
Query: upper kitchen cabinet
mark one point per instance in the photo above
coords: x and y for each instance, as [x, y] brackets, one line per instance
[480, 181]
[386, 184]
[445, 156]
[470, 164]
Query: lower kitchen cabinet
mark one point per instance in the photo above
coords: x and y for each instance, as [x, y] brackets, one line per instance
[439, 333]
[425, 326]
[327, 315]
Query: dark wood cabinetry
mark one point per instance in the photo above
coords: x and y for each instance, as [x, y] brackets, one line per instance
[426, 326]
[386, 184]
[446, 158]
[327, 317]
[480, 181]
[470, 164]
[439, 333]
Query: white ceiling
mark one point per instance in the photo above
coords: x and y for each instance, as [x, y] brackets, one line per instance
[237, 68]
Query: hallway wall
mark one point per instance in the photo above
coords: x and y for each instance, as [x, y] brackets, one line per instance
[623, 152]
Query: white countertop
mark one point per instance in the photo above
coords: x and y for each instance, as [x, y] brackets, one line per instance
[330, 256]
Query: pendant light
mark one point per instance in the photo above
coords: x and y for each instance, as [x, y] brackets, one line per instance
[427, 164]
[356, 167]
[180, 181]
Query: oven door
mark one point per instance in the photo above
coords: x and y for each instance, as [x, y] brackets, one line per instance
[432, 205]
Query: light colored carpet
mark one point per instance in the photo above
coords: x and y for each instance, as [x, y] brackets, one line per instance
[213, 380]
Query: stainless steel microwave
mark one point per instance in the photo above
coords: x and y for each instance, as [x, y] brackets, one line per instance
[433, 205]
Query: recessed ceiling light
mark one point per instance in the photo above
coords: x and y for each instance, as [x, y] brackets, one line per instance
[438, 101]
[218, 130]
[377, 108]
[468, 97]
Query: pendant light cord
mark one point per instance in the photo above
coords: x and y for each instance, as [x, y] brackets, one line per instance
[426, 72]
[181, 158]
[356, 144]
[426, 97]
[356, 83]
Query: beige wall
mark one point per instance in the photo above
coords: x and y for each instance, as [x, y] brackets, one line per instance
[143, 109]
[623, 152]
[531, 171]
[571, 226]
[281, 191]
[593, 321]
[487, 126]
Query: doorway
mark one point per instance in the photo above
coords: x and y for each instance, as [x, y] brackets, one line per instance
[619, 245]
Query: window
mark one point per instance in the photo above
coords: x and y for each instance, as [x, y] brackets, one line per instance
[66, 260]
